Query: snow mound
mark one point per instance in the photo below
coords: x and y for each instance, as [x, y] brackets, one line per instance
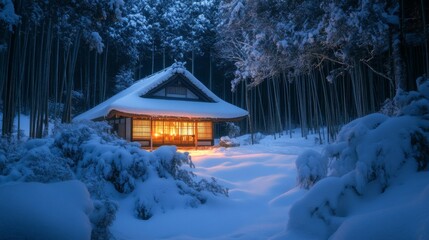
[45, 211]
[369, 156]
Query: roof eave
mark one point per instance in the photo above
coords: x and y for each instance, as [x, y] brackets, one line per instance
[119, 114]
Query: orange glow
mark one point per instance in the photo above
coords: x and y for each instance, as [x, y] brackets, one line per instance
[172, 132]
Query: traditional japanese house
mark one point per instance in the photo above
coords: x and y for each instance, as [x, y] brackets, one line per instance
[170, 107]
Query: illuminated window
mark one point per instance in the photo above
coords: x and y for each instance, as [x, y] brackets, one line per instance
[186, 128]
[158, 132]
[141, 129]
[173, 132]
[205, 130]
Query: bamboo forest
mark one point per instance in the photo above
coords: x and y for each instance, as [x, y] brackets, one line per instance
[214, 119]
[296, 64]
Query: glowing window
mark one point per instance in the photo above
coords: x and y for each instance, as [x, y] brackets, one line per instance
[141, 129]
[205, 130]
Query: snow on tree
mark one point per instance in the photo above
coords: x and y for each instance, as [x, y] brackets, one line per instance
[123, 79]
[267, 38]
[368, 155]
[8, 19]
[95, 42]
[131, 33]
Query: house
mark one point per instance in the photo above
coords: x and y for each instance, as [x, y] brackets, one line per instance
[170, 107]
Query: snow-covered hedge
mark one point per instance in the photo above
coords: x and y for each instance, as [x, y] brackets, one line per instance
[369, 153]
[87, 151]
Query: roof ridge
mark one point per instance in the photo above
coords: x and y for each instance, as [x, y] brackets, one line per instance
[155, 73]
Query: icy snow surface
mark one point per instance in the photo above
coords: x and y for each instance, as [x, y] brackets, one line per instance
[261, 179]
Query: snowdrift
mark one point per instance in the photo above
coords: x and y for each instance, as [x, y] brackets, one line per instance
[374, 157]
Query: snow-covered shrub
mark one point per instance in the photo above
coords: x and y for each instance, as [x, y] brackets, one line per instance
[32, 161]
[225, 141]
[312, 167]
[101, 158]
[369, 151]
[232, 129]
[107, 165]
[104, 212]
[420, 145]
[211, 186]
[168, 161]
[174, 185]
[256, 138]
[102, 217]
[142, 210]
[42, 165]
[389, 108]
[116, 161]
[4, 146]
[68, 138]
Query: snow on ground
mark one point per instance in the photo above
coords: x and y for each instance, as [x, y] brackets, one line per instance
[24, 122]
[261, 179]
[45, 211]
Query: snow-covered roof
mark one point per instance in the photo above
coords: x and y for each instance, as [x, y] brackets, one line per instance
[133, 102]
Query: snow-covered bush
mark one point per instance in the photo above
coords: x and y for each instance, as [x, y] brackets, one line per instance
[32, 161]
[108, 166]
[389, 108]
[312, 167]
[232, 129]
[369, 153]
[225, 141]
[157, 195]
[69, 138]
[102, 217]
[257, 137]
[41, 165]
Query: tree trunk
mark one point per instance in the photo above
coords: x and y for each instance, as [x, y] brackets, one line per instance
[249, 118]
[9, 94]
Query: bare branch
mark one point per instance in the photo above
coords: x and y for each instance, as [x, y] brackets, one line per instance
[376, 72]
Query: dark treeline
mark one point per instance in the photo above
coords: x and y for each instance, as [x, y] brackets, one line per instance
[292, 63]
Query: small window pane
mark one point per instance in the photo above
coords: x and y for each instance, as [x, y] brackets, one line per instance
[176, 91]
[205, 130]
[141, 129]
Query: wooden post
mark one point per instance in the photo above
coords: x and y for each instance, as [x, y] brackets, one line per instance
[196, 134]
[151, 135]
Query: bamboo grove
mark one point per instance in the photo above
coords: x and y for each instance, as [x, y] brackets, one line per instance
[58, 58]
[318, 67]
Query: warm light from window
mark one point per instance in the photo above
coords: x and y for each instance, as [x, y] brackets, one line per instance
[141, 129]
[205, 130]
